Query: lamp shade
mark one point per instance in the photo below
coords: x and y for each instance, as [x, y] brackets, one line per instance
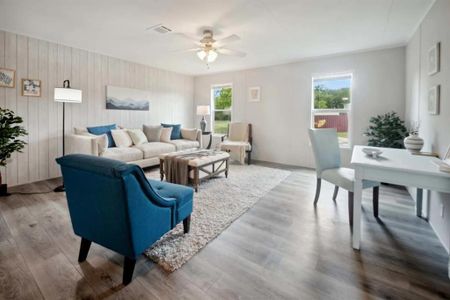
[67, 95]
[203, 110]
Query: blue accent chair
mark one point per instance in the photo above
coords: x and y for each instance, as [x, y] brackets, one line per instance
[114, 205]
[327, 156]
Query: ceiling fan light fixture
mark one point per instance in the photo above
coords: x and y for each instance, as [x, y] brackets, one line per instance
[208, 56]
[208, 49]
[201, 54]
[212, 56]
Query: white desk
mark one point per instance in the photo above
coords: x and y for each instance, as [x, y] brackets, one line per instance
[396, 166]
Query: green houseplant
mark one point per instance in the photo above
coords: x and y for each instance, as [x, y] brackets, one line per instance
[10, 142]
[386, 130]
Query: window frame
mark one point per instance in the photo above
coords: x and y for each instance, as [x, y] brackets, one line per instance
[347, 110]
[213, 107]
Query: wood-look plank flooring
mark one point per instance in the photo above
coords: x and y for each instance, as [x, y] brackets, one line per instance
[282, 248]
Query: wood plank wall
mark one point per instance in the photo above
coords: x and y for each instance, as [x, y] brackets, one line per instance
[171, 101]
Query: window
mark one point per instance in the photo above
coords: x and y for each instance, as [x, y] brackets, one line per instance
[221, 98]
[331, 105]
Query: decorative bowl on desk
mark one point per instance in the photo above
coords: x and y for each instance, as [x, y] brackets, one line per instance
[373, 152]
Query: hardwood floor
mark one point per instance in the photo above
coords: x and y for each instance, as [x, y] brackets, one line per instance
[281, 248]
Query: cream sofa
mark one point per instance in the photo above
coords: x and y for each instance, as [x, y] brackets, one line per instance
[144, 155]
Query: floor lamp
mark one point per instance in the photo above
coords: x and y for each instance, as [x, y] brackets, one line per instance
[65, 95]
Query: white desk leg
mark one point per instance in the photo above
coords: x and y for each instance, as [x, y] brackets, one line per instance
[357, 198]
[419, 197]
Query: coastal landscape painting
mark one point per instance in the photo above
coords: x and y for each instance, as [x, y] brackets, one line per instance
[121, 98]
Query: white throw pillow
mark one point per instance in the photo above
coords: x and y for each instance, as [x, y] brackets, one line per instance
[137, 136]
[189, 134]
[121, 138]
[165, 134]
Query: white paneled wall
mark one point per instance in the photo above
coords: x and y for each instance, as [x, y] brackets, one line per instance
[434, 129]
[282, 118]
[171, 101]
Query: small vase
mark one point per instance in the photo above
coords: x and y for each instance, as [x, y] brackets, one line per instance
[413, 143]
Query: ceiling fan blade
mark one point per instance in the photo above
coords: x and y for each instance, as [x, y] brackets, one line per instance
[229, 39]
[226, 51]
[194, 39]
[186, 50]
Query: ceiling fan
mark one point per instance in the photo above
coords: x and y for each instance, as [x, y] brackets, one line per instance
[208, 48]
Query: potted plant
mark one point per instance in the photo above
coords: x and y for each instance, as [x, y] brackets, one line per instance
[387, 131]
[10, 142]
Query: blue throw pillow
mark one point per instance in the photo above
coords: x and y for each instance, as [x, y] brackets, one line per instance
[176, 130]
[105, 129]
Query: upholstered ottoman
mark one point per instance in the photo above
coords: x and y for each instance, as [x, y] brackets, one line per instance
[193, 166]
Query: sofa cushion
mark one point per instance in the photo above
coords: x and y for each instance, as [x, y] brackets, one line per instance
[137, 136]
[105, 129]
[153, 132]
[189, 134]
[185, 144]
[121, 138]
[165, 134]
[124, 154]
[154, 149]
[176, 130]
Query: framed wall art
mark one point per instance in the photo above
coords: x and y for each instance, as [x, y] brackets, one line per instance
[7, 78]
[31, 87]
[434, 59]
[121, 98]
[434, 99]
[254, 94]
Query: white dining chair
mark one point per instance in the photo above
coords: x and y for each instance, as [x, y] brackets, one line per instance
[327, 156]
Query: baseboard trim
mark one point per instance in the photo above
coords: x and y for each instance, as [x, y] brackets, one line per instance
[439, 237]
[280, 165]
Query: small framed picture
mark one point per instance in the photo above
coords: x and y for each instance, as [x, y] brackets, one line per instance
[31, 88]
[7, 78]
[254, 94]
[434, 59]
[434, 99]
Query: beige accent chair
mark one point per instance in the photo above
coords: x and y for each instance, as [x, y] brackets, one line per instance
[239, 141]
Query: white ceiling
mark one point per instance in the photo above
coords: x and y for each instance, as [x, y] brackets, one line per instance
[271, 31]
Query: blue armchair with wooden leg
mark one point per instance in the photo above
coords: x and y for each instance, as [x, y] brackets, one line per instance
[113, 204]
[327, 156]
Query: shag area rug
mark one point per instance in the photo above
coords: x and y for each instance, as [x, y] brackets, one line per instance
[218, 203]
